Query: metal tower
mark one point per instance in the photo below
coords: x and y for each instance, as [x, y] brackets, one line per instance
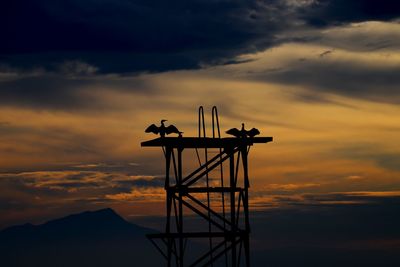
[221, 202]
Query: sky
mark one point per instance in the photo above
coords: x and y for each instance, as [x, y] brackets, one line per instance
[80, 80]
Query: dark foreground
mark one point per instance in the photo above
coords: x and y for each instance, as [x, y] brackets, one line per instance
[334, 235]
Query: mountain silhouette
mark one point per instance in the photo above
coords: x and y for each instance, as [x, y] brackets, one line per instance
[91, 238]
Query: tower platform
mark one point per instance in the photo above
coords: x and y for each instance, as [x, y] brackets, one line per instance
[196, 142]
[226, 214]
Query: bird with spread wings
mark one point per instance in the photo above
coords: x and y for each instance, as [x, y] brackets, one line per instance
[243, 133]
[162, 130]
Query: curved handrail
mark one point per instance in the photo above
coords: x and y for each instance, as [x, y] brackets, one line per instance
[215, 120]
[202, 124]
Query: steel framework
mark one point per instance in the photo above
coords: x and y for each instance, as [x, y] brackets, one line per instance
[222, 203]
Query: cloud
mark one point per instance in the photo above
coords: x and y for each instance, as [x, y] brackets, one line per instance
[60, 186]
[367, 36]
[134, 36]
[104, 166]
[75, 67]
[144, 181]
[385, 159]
[74, 88]
[130, 36]
[71, 72]
[290, 187]
[358, 61]
[42, 92]
[142, 195]
[354, 177]
[262, 201]
[353, 79]
[39, 195]
[330, 12]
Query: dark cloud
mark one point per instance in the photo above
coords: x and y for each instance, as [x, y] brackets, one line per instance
[49, 141]
[73, 88]
[340, 199]
[348, 78]
[72, 43]
[143, 182]
[330, 12]
[62, 185]
[313, 97]
[128, 36]
[53, 92]
[326, 53]
[390, 161]
[107, 167]
[350, 199]
[369, 152]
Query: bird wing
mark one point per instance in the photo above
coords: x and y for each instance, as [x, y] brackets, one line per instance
[253, 132]
[171, 129]
[234, 132]
[152, 129]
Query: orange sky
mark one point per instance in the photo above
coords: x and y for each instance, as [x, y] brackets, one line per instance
[328, 139]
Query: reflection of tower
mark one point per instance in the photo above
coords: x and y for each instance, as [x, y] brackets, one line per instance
[221, 202]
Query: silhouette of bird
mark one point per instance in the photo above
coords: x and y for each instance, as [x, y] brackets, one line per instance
[242, 133]
[162, 129]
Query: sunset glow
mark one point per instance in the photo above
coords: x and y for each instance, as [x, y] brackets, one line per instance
[70, 129]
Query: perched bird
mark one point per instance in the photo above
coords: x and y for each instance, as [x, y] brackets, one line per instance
[162, 129]
[243, 133]
[253, 132]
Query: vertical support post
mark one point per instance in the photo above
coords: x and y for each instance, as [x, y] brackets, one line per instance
[168, 227]
[180, 190]
[246, 187]
[246, 204]
[233, 204]
[243, 150]
[168, 153]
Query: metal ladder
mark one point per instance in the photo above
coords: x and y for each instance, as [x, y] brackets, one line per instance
[216, 133]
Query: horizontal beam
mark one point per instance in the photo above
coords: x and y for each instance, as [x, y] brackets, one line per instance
[185, 189]
[227, 234]
[196, 142]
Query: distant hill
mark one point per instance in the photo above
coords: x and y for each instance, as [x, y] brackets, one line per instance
[92, 238]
